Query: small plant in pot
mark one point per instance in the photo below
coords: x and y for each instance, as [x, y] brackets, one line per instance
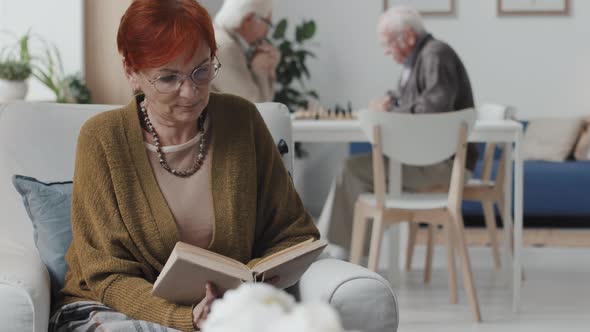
[15, 69]
[49, 70]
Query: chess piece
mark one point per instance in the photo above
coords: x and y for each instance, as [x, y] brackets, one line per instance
[349, 110]
[340, 112]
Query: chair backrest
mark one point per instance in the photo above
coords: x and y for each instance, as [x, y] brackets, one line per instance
[417, 139]
[39, 140]
[495, 112]
[278, 120]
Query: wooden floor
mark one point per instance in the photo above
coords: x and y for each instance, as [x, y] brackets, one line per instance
[555, 294]
[564, 238]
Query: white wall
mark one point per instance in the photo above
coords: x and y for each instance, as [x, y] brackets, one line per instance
[59, 22]
[541, 65]
[212, 6]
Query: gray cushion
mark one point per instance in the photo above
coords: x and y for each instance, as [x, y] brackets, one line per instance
[48, 206]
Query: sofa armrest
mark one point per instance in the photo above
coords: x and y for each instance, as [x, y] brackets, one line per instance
[25, 281]
[364, 300]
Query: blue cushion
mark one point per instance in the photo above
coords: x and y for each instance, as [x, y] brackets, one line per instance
[48, 206]
[359, 148]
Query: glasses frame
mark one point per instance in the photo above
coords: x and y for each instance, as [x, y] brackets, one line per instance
[266, 21]
[183, 77]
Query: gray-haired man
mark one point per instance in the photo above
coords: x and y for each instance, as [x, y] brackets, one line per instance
[433, 79]
[248, 61]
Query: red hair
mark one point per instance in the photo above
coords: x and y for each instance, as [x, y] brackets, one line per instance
[155, 32]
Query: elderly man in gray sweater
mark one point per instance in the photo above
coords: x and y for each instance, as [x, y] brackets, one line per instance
[433, 79]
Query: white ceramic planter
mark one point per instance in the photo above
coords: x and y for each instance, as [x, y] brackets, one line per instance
[13, 90]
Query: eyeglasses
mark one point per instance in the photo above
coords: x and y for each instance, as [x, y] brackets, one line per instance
[265, 21]
[200, 76]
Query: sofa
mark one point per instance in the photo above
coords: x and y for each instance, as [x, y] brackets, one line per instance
[39, 139]
[551, 189]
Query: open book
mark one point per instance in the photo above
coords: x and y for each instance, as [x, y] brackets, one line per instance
[189, 268]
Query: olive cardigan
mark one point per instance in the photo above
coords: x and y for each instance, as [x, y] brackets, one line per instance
[123, 230]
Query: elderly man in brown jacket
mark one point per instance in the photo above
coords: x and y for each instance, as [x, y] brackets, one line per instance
[433, 79]
[248, 61]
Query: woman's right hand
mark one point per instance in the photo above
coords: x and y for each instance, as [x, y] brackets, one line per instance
[201, 310]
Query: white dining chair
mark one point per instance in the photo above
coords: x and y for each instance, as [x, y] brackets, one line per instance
[485, 189]
[417, 139]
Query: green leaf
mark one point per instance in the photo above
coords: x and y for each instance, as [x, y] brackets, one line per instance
[305, 70]
[280, 29]
[302, 103]
[299, 34]
[308, 30]
[313, 94]
[292, 71]
[285, 48]
[14, 70]
[300, 55]
[310, 54]
[292, 92]
[24, 48]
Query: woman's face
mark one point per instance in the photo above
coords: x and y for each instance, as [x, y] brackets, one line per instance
[171, 93]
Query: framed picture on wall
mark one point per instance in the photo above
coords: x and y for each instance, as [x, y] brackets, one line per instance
[533, 7]
[425, 7]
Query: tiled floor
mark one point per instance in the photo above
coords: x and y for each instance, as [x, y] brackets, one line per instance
[555, 295]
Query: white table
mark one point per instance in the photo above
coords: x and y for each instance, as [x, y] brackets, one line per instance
[508, 132]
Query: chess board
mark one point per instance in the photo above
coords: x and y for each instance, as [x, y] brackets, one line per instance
[325, 114]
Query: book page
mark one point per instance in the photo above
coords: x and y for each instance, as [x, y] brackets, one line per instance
[283, 252]
[290, 265]
[189, 268]
[202, 255]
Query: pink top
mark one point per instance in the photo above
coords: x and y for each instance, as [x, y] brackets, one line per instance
[189, 199]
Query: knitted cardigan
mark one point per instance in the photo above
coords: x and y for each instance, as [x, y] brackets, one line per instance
[123, 230]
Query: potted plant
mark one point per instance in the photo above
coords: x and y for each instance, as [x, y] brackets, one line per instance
[292, 71]
[15, 69]
[50, 71]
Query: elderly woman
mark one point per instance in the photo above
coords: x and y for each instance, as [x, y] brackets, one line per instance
[177, 164]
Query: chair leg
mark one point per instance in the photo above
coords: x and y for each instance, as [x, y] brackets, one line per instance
[508, 223]
[411, 245]
[359, 231]
[429, 254]
[459, 236]
[490, 219]
[451, 266]
[376, 238]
